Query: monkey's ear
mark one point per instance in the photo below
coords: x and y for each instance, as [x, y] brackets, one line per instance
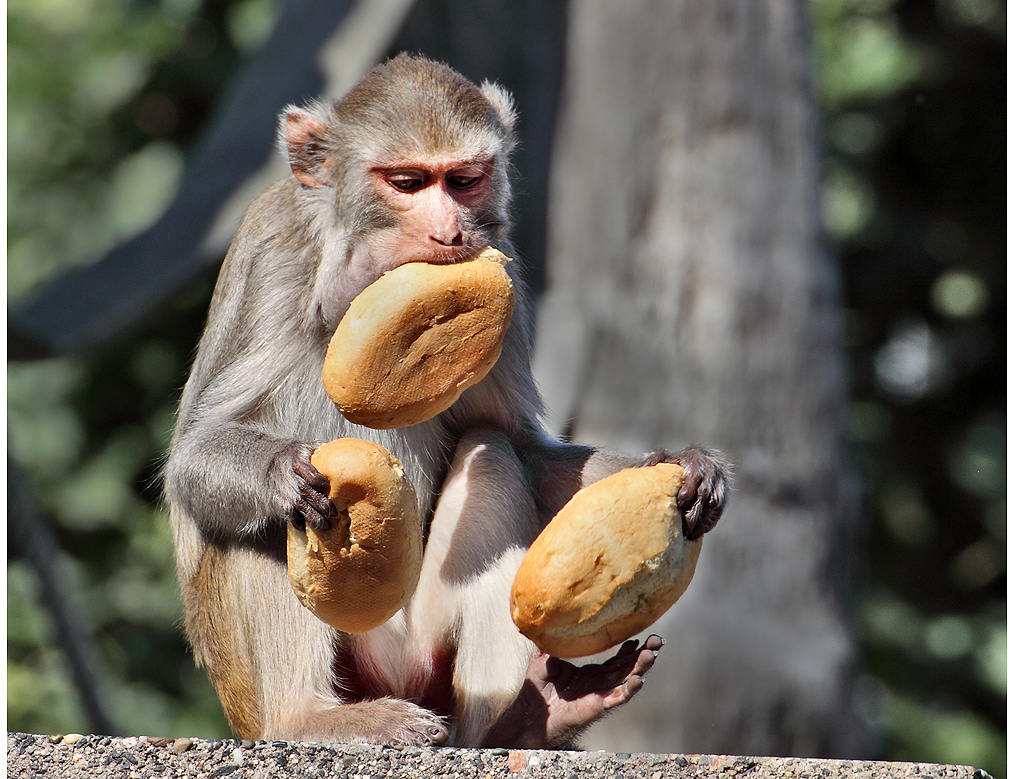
[502, 103]
[306, 147]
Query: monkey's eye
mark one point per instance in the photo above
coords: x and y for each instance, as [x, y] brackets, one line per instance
[463, 180]
[405, 182]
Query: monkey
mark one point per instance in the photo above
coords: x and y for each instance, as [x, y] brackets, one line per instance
[412, 165]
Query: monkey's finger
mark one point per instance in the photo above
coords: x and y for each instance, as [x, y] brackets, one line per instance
[646, 659]
[311, 516]
[708, 519]
[631, 656]
[627, 686]
[692, 523]
[627, 649]
[601, 679]
[622, 693]
[654, 643]
[312, 476]
[560, 672]
[605, 678]
[703, 516]
[687, 495]
[317, 501]
[655, 457]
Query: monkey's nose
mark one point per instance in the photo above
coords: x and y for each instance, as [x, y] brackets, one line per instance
[456, 238]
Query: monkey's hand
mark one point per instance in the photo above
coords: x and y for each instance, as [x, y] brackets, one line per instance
[559, 700]
[300, 490]
[702, 497]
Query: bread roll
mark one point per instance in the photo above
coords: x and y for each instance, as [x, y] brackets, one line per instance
[417, 338]
[611, 562]
[362, 570]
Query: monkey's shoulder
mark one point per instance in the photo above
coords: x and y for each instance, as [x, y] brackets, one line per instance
[278, 230]
[279, 209]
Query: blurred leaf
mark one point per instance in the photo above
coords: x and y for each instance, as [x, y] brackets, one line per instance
[992, 658]
[44, 432]
[41, 697]
[864, 55]
[942, 736]
[848, 203]
[141, 188]
[948, 637]
[979, 463]
[989, 14]
[905, 513]
[978, 564]
[28, 627]
[251, 21]
[959, 293]
[106, 81]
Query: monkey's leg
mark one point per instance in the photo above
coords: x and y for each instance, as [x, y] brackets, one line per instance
[271, 660]
[484, 521]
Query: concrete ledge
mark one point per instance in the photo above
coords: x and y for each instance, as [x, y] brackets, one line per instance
[74, 756]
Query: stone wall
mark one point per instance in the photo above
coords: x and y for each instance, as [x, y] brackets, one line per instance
[88, 757]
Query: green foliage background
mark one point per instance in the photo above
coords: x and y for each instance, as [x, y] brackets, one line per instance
[104, 99]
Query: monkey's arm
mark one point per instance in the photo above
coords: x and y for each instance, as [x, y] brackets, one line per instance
[231, 480]
[235, 462]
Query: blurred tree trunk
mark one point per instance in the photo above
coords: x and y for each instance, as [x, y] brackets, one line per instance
[690, 301]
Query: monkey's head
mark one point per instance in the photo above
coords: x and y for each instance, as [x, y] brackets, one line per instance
[414, 160]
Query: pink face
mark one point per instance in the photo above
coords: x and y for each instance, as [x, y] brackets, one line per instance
[436, 202]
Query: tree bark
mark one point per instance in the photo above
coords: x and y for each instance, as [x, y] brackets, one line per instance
[690, 301]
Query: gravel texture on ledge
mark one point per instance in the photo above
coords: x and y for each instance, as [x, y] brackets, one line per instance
[73, 755]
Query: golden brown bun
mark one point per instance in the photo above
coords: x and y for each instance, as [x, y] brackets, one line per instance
[357, 574]
[417, 338]
[611, 562]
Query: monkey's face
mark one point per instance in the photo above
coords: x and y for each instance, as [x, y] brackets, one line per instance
[438, 208]
[431, 208]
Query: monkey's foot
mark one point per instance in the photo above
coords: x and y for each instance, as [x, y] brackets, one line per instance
[558, 699]
[381, 721]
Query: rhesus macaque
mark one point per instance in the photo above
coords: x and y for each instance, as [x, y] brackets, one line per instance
[411, 166]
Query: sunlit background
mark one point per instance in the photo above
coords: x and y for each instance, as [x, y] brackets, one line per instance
[106, 96]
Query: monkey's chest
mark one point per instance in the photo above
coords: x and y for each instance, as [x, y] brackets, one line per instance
[362, 673]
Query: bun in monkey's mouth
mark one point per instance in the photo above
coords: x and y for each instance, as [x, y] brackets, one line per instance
[413, 341]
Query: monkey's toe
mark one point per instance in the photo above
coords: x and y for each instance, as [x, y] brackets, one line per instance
[436, 734]
[424, 730]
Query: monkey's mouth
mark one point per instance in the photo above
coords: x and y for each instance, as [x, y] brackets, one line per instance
[451, 256]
